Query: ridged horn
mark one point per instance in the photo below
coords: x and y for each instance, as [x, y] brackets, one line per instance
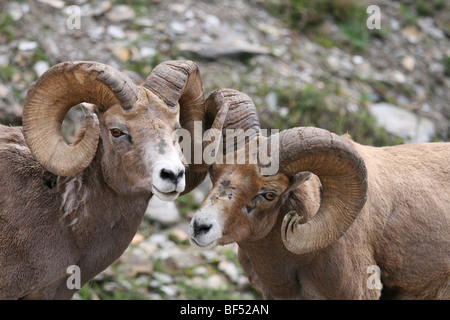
[50, 98]
[179, 82]
[240, 113]
[344, 181]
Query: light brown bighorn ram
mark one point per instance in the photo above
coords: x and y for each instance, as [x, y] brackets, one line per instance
[369, 217]
[81, 205]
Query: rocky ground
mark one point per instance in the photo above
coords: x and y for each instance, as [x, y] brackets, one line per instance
[302, 65]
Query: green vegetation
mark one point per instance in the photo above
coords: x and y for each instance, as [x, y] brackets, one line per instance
[6, 27]
[429, 7]
[308, 16]
[446, 63]
[7, 72]
[308, 107]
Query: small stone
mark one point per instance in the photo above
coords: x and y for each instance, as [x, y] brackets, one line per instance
[169, 291]
[138, 238]
[357, 60]
[136, 265]
[121, 13]
[148, 247]
[428, 27]
[159, 239]
[411, 34]
[97, 9]
[57, 4]
[27, 45]
[216, 282]
[408, 62]
[121, 53]
[178, 27]
[40, 67]
[212, 21]
[116, 32]
[148, 52]
[163, 212]
[178, 235]
[4, 60]
[162, 278]
[16, 10]
[143, 22]
[271, 101]
[403, 123]
[283, 111]
[96, 33]
[230, 270]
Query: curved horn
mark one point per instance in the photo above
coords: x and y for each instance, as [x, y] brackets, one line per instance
[235, 110]
[50, 98]
[344, 180]
[179, 82]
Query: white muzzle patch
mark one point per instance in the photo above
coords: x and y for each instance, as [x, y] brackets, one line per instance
[205, 228]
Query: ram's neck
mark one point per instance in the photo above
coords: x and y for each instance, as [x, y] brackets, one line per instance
[102, 223]
[267, 262]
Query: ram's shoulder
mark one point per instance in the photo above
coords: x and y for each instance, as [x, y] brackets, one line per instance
[15, 156]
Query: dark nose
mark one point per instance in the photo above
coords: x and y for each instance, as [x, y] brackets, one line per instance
[200, 229]
[167, 174]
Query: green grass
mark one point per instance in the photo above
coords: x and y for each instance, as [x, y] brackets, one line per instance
[6, 27]
[307, 16]
[308, 107]
[446, 63]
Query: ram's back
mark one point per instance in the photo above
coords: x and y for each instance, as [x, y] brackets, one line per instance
[408, 210]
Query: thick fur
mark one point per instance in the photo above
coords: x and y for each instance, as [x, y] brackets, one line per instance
[46, 223]
[403, 230]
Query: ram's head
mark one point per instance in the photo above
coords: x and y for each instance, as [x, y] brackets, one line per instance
[132, 128]
[243, 203]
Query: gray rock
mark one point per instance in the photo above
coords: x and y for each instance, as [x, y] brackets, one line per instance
[428, 27]
[121, 13]
[216, 282]
[271, 101]
[217, 49]
[148, 52]
[163, 212]
[40, 67]
[27, 45]
[230, 270]
[178, 27]
[403, 123]
[57, 4]
[10, 111]
[116, 32]
[162, 278]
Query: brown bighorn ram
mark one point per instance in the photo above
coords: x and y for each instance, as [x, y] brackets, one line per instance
[369, 217]
[81, 205]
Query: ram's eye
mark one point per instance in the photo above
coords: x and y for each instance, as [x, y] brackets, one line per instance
[269, 196]
[116, 133]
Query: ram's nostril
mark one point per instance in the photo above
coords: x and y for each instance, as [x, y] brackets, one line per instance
[200, 229]
[167, 174]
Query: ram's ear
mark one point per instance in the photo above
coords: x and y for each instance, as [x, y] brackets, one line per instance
[297, 180]
[89, 108]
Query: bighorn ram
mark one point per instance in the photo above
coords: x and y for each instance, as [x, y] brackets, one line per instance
[369, 217]
[81, 205]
